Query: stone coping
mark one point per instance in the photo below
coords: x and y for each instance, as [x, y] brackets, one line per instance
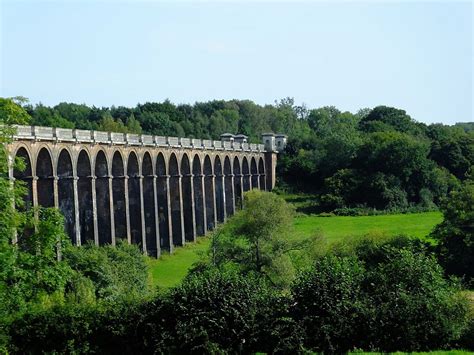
[39, 133]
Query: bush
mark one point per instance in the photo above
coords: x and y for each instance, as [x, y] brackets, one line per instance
[117, 272]
[386, 297]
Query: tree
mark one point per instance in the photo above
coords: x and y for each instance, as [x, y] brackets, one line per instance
[456, 232]
[256, 240]
[12, 113]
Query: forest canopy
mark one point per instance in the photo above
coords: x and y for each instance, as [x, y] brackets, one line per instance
[375, 158]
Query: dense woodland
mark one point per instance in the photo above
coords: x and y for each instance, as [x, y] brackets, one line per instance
[378, 158]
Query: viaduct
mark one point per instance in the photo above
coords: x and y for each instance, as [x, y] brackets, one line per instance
[154, 191]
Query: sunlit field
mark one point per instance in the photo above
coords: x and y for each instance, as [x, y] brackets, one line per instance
[171, 269]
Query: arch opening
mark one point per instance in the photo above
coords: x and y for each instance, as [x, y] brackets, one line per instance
[228, 187]
[175, 201]
[26, 176]
[261, 171]
[45, 183]
[149, 205]
[219, 184]
[246, 175]
[134, 199]
[254, 172]
[237, 183]
[102, 195]
[84, 193]
[66, 193]
[209, 193]
[198, 196]
[118, 194]
[187, 188]
[162, 197]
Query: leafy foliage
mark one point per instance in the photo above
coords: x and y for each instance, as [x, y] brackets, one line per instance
[456, 232]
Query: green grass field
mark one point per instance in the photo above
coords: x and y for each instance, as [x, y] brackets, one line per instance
[171, 269]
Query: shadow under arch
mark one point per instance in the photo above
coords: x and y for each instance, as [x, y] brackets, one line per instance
[219, 185]
[228, 187]
[45, 182]
[66, 193]
[209, 193]
[246, 175]
[187, 188]
[118, 194]
[198, 196]
[84, 193]
[102, 196]
[262, 175]
[175, 201]
[254, 172]
[134, 199]
[149, 205]
[237, 183]
[162, 197]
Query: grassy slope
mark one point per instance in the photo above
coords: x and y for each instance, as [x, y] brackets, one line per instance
[171, 269]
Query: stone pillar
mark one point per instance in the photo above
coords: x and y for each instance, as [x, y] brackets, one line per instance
[77, 224]
[34, 188]
[170, 217]
[111, 207]
[127, 209]
[157, 219]
[94, 210]
[270, 169]
[56, 191]
[142, 214]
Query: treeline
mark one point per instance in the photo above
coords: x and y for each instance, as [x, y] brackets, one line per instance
[374, 159]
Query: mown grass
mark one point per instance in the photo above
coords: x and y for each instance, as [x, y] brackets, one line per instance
[171, 269]
[340, 228]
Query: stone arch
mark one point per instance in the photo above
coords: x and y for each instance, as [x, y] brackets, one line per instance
[102, 196]
[228, 187]
[162, 197]
[149, 205]
[254, 172]
[261, 172]
[134, 199]
[26, 176]
[246, 174]
[219, 186]
[45, 175]
[175, 200]
[118, 194]
[209, 193]
[66, 192]
[237, 183]
[187, 189]
[198, 196]
[84, 193]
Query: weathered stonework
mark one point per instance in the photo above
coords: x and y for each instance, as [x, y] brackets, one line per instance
[154, 191]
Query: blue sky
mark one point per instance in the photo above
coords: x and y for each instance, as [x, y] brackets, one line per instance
[412, 55]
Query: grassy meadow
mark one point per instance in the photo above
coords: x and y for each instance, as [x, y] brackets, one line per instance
[171, 269]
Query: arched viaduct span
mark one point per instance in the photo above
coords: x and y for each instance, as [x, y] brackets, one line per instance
[157, 192]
